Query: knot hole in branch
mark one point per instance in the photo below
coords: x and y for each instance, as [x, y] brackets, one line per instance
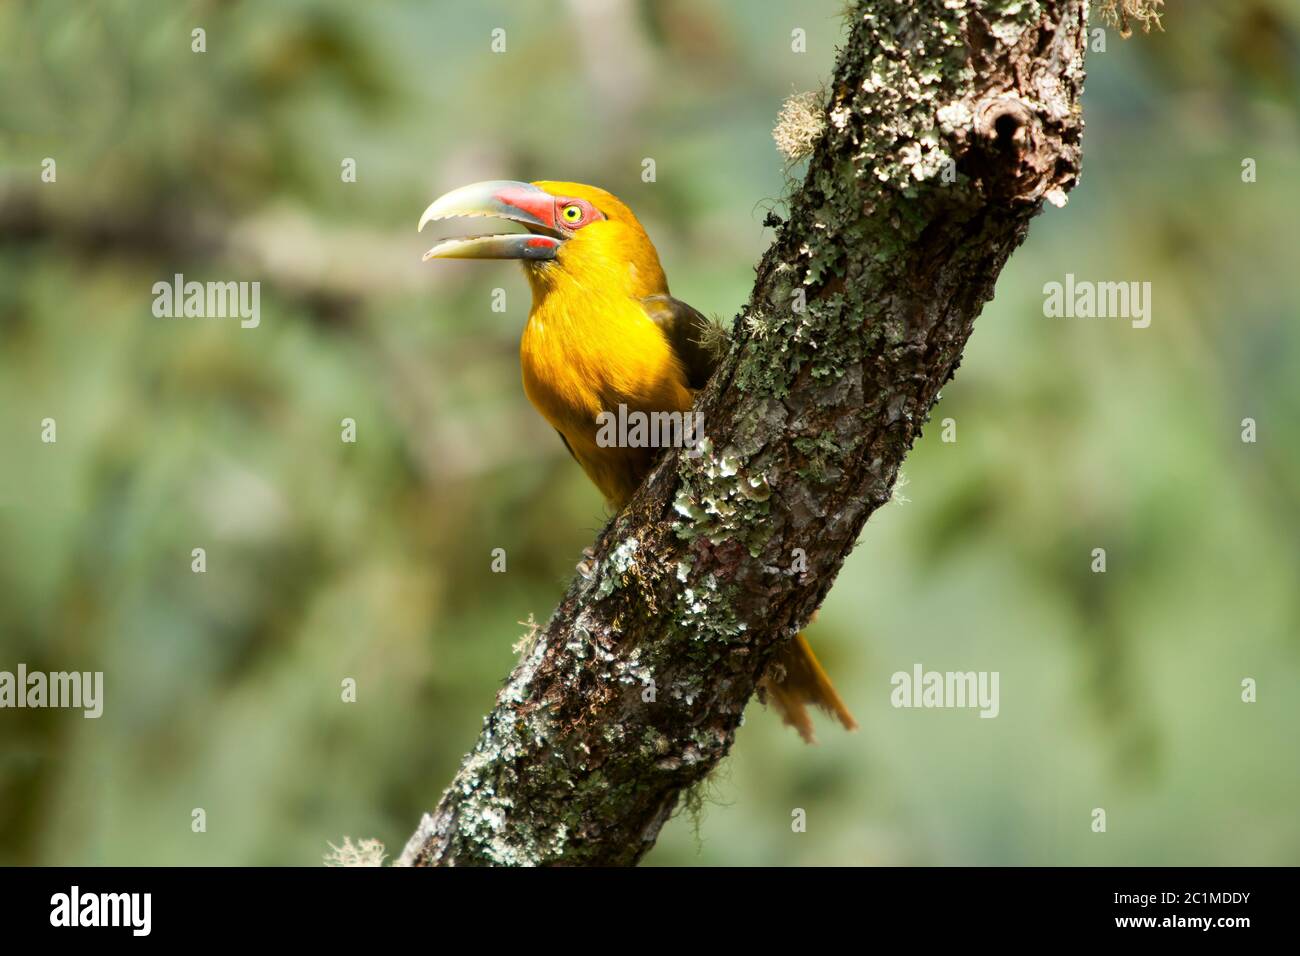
[1004, 124]
[1008, 132]
[1004, 153]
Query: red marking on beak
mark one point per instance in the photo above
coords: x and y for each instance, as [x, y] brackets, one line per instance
[531, 200]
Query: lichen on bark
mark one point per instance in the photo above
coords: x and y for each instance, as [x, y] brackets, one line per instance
[948, 123]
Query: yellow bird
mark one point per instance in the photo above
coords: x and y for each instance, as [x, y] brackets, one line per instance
[604, 332]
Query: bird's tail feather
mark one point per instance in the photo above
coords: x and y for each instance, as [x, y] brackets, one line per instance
[798, 679]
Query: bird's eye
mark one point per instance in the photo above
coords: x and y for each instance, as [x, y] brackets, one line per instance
[572, 213]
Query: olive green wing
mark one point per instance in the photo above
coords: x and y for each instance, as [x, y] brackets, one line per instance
[696, 340]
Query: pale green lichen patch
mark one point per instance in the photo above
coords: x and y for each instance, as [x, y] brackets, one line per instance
[799, 125]
[484, 818]
[822, 452]
[722, 501]
[369, 852]
[914, 68]
[705, 612]
[654, 743]
[633, 672]
[613, 568]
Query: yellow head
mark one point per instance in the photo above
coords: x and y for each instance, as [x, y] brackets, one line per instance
[578, 235]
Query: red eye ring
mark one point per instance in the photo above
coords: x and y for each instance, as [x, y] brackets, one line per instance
[571, 213]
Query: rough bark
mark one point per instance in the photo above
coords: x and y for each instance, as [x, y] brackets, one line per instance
[948, 123]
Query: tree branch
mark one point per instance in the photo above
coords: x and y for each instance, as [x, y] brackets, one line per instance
[948, 124]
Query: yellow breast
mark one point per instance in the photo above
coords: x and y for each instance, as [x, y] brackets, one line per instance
[584, 354]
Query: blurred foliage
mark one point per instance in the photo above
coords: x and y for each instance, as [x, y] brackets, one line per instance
[328, 560]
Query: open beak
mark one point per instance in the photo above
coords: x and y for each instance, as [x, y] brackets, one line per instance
[523, 203]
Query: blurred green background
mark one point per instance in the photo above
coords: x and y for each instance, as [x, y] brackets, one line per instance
[328, 560]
